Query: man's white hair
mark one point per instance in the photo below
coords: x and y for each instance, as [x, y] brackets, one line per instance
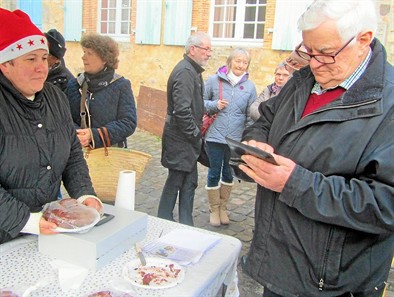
[350, 16]
[196, 39]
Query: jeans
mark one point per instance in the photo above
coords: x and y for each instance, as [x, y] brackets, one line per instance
[219, 158]
[184, 184]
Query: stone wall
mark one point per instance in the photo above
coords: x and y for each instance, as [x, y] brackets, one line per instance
[150, 65]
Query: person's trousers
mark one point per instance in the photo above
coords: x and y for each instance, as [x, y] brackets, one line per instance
[376, 293]
[182, 184]
[219, 159]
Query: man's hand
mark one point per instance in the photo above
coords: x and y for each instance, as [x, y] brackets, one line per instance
[260, 145]
[273, 177]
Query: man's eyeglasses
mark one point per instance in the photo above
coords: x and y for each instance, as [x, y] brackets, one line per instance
[321, 58]
[207, 49]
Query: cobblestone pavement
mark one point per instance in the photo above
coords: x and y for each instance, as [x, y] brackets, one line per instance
[240, 206]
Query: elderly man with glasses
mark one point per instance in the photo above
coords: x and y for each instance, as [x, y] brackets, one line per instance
[181, 141]
[324, 215]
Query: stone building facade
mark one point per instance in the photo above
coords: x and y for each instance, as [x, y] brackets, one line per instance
[150, 65]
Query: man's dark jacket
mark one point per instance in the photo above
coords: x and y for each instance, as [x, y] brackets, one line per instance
[38, 148]
[59, 75]
[181, 141]
[330, 230]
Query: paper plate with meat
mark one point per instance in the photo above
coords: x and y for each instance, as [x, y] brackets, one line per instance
[70, 215]
[156, 274]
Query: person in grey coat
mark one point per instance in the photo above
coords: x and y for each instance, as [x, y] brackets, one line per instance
[324, 216]
[230, 94]
[282, 75]
[181, 140]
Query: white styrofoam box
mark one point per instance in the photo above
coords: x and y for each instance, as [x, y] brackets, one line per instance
[101, 244]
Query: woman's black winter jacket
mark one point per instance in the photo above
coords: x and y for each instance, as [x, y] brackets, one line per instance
[38, 149]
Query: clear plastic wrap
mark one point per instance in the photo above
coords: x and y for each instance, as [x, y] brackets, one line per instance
[110, 293]
[9, 292]
[116, 288]
[70, 215]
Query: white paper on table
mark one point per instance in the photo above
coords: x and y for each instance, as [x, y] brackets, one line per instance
[71, 276]
[125, 193]
[185, 246]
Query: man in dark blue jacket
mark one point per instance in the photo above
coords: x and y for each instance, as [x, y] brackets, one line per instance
[324, 216]
[181, 141]
[58, 73]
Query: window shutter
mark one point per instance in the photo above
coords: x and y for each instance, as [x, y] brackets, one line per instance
[148, 23]
[178, 21]
[34, 9]
[73, 20]
[287, 12]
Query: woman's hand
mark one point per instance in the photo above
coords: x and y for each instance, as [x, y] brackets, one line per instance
[47, 227]
[84, 137]
[222, 103]
[93, 202]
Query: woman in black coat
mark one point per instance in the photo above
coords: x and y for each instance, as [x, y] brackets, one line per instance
[38, 144]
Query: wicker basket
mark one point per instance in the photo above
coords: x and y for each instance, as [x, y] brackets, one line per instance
[104, 169]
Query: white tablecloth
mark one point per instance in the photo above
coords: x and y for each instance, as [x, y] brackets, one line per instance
[22, 265]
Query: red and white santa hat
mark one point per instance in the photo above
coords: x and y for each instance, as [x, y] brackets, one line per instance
[18, 35]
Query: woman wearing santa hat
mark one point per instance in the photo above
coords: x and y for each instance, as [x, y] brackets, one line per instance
[38, 144]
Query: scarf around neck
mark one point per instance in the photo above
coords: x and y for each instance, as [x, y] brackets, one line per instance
[99, 80]
[275, 89]
[233, 78]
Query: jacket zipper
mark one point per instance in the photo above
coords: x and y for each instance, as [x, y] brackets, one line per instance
[321, 284]
[343, 107]
[324, 264]
[232, 100]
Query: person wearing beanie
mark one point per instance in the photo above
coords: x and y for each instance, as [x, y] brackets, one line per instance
[39, 147]
[58, 73]
[108, 97]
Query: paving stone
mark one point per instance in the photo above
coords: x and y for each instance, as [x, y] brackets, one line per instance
[235, 226]
[245, 211]
[237, 218]
[244, 237]
[236, 201]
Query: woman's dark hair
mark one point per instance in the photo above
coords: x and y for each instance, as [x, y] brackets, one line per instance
[104, 46]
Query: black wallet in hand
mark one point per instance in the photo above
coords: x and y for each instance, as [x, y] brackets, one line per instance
[238, 149]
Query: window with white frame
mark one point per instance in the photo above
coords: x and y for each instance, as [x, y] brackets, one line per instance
[240, 21]
[285, 34]
[114, 18]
